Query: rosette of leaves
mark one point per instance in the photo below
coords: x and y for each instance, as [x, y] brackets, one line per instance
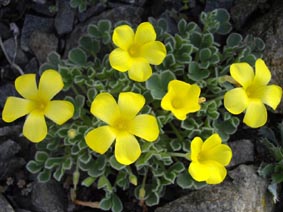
[193, 56]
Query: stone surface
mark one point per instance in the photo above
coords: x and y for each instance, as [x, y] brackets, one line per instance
[48, 197]
[242, 10]
[272, 36]
[10, 130]
[31, 24]
[42, 43]
[5, 31]
[15, 53]
[32, 66]
[93, 10]
[127, 13]
[8, 149]
[5, 205]
[245, 192]
[5, 91]
[243, 152]
[213, 4]
[64, 19]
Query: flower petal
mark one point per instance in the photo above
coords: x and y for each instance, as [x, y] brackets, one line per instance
[256, 114]
[100, 139]
[198, 171]
[104, 107]
[221, 153]
[15, 108]
[262, 73]
[196, 145]
[50, 84]
[217, 172]
[272, 96]
[59, 111]
[243, 73]
[145, 126]
[211, 142]
[127, 149]
[140, 71]
[26, 86]
[236, 100]
[145, 33]
[154, 52]
[123, 36]
[35, 128]
[120, 60]
[130, 104]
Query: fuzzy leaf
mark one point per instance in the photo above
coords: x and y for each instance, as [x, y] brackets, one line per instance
[34, 166]
[44, 176]
[77, 56]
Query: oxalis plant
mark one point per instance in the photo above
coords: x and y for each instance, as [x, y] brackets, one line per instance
[136, 108]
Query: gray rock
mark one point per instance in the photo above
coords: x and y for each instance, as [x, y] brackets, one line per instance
[243, 152]
[48, 197]
[31, 24]
[10, 130]
[94, 10]
[245, 192]
[8, 149]
[5, 91]
[270, 28]
[5, 205]
[15, 54]
[65, 17]
[5, 31]
[42, 43]
[10, 167]
[32, 66]
[214, 4]
[126, 13]
[242, 10]
[44, 9]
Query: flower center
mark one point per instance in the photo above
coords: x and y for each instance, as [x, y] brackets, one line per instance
[121, 124]
[134, 50]
[177, 103]
[255, 92]
[40, 106]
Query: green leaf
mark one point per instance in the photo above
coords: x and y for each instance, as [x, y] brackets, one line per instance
[104, 25]
[122, 180]
[54, 58]
[85, 157]
[115, 164]
[96, 168]
[41, 156]
[34, 166]
[185, 181]
[58, 174]
[52, 162]
[157, 84]
[89, 44]
[88, 181]
[234, 39]
[153, 199]
[117, 205]
[105, 203]
[103, 182]
[67, 164]
[94, 31]
[205, 54]
[77, 56]
[195, 73]
[207, 40]
[222, 15]
[44, 176]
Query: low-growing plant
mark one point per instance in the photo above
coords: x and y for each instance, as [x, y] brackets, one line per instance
[146, 112]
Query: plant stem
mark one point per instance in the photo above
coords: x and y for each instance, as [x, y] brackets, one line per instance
[178, 154]
[176, 131]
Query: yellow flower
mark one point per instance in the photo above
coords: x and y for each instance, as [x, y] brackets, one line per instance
[37, 103]
[181, 99]
[253, 93]
[208, 159]
[136, 51]
[123, 123]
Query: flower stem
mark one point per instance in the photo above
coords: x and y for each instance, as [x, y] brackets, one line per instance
[75, 90]
[176, 131]
[178, 154]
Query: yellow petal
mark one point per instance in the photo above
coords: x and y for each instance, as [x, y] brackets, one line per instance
[145, 33]
[262, 73]
[256, 114]
[236, 100]
[243, 73]
[104, 107]
[145, 126]
[15, 108]
[272, 96]
[123, 36]
[154, 52]
[50, 84]
[130, 104]
[140, 71]
[35, 128]
[26, 86]
[211, 142]
[127, 149]
[198, 171]
[196, 145]
[120, 60]
[59, 111]
[217, 172]
[100, 139]
[222, 154]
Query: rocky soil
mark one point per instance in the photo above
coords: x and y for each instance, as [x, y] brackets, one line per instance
[29, 30]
